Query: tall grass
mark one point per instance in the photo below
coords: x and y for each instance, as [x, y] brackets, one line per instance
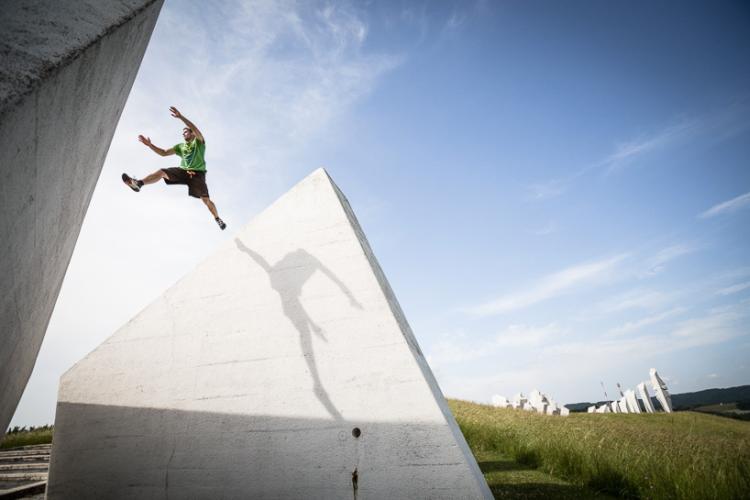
[679, 455]
[21, 436]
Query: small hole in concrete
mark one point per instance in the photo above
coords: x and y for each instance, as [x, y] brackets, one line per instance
[356, 432]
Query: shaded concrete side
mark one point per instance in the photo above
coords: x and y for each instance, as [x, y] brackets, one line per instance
[282, 355]
[62, 91]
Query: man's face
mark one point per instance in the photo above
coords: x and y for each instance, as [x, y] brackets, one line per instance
[187, 134]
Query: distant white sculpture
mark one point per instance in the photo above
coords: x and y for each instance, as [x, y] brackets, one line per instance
[645, 397]
[638, 400]
[632, 401]
[564, 412]
[536, 401]
[662, 394]
[553, 408]
[518, 400]
[623, 405]
[501, 402]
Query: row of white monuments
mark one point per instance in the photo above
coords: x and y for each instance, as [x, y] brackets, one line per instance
[536, 401]
[629, 402]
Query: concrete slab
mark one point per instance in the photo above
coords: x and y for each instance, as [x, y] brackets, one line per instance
[281, 367]
[632, 401]
[662, 393]
[66, 70]
[645, 397]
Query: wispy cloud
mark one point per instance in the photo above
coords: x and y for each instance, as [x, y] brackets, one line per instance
[727, 207]
[548, 228]
[459, 347]
[734, 288]
[589, 274]
[658, 262]
[635, 299]
[625, 153]
[631, 326]
[716, 125]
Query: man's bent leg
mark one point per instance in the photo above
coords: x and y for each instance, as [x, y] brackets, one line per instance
[155, 177]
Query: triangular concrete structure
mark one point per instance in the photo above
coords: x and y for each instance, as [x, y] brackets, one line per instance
[281, 367]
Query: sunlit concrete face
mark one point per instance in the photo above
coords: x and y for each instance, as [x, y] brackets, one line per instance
[281, 367]
[632, 401]
[66, 68]
[660, 389]
[645, 397]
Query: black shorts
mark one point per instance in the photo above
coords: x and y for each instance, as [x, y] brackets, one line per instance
[196, 183]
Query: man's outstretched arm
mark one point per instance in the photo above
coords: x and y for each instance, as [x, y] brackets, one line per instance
[155, 149]
[176, 113]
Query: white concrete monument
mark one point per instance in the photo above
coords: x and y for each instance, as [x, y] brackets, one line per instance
[564, 412]
[660, 389]
[591, 409]
[66, 69]
[632, 401]
[645, 397]
[500, 401]
[519, 400]
[280, 367]
[622, 404]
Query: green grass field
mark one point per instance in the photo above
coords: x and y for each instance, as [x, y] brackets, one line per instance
[679, 455]
[25, 437]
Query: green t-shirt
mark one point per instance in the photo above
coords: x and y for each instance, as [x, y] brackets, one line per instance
[192, 154]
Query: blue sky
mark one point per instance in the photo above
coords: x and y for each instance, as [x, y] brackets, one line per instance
[559, 193]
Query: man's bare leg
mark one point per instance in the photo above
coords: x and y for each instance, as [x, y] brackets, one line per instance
[210, 205]
[214, 212]
[155, 177]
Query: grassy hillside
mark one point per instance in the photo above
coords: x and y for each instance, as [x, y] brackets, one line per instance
[679, 455]
[21, 436]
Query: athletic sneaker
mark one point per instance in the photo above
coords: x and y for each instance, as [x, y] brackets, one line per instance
[133, 184]
[221, 223]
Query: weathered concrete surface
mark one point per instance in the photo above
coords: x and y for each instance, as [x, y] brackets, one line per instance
[66, 68]
[662, 393]
[645, 397]
[281, 367]
[632, 401]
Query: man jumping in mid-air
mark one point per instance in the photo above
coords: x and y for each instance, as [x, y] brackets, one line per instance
[192, 169]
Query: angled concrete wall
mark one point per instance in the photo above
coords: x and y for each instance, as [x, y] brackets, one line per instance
[281, 367]
[66, 68]
[661, 391]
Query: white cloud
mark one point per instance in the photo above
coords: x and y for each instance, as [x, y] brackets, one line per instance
[734, 288]
[657, 263]
[590, 359]
[589, 274]
[643, 322]
[635, 299]
[459, 348]
[626, 152]
[719, 124]
[727, 207]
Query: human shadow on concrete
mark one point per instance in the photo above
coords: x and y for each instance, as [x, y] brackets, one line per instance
[287, 277]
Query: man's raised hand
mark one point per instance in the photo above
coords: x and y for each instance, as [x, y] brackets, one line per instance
[145, 140]
[175, 112]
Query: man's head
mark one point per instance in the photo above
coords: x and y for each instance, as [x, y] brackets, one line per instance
[188, 134]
